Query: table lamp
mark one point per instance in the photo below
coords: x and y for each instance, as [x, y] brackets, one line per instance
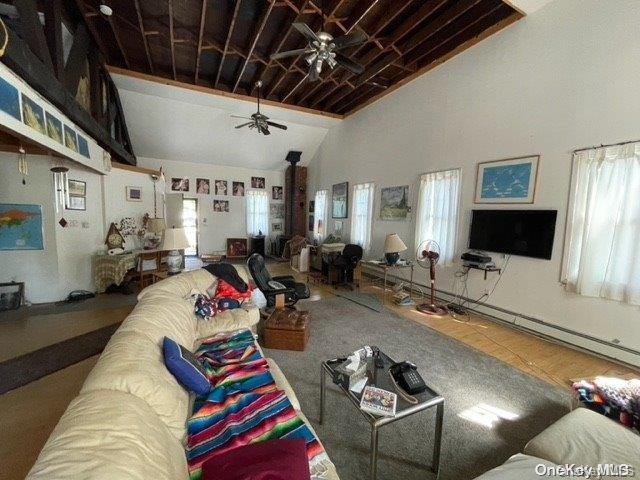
[175, 239]
[155, 226]
[393, 245]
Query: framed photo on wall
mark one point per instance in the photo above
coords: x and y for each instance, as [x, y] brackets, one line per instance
[394, 203]
[77, 188]
[511, 180]
[134, 194]
[340, 200]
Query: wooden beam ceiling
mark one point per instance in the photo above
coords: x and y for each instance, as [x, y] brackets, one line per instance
[227, 44]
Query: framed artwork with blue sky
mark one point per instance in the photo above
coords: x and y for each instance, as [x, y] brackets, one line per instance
[511, 180]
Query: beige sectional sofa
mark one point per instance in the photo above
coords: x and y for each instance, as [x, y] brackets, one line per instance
[580, 438]
[129, 420]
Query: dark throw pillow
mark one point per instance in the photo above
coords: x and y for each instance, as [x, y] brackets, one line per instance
[183, 365]
[271, 460]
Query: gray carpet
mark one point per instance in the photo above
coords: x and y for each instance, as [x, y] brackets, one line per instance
[465, 377]
[368, 300]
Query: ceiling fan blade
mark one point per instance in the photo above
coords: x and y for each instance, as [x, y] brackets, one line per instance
[349, 40]
[290, 53]
[264, 130]
[349, 64]
[277, 125]
[244, 124]
[238, 116]
[314, 71]
[305, 30]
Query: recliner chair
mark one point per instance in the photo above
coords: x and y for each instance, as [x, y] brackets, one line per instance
[273, 286]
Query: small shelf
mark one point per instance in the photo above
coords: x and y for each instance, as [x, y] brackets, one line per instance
[485, 270]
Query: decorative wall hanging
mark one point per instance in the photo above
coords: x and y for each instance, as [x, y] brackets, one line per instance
[236, 247]
[507, 181]
[221, 206]
[276, 227]
[340, 200]
[21, 227]
[23, 166]
[76, 203]
[238, 189]
[394, 203]
[59, 185]
[83, 146]
[203, 186]
[70, 138]
[9, 99]
[54, 128]
[77, 188]
[276, 210]
[134, 194]
[221, 187]
[180, 184]
[276, 193]
[258, 182]
[33, 114]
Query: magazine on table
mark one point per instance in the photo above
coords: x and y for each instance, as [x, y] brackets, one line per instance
[378, 401]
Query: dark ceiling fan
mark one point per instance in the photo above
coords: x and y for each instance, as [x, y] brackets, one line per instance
[259, 121]
[323, 48]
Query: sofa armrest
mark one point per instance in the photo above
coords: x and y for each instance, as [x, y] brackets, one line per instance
[270, 292]
[245, 317]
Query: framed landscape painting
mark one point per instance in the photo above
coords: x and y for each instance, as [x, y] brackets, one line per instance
[394, 203]
[340, 200]
[507, 181]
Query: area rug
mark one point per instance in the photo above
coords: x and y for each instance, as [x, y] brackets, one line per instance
[472, 383]
[368, 300]
[31, 366]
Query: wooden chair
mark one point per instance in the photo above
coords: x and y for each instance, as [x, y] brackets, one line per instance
[148, 267]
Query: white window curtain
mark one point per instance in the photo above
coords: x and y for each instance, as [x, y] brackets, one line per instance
[320, 212]
[362, 214]
[437, 217]
[257, 212]
[601, 255]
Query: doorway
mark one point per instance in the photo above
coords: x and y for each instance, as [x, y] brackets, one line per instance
[190, 224]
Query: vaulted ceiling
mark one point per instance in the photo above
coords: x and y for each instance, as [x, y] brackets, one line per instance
[226, 44]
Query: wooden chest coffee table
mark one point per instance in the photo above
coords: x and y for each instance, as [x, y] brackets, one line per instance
[287, 329]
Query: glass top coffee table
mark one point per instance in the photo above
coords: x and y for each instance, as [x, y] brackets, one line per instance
[379, 377]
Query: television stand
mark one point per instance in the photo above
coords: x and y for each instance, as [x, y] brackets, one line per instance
[485, 269]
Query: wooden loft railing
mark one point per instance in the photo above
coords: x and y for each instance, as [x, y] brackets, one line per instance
[35, 52]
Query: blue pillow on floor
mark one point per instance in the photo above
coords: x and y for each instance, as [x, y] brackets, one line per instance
[184, 365]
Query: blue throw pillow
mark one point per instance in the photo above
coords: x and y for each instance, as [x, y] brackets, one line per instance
[183, 364]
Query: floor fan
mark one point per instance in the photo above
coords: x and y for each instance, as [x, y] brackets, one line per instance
[427, 255]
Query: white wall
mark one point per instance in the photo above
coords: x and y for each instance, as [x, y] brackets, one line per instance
[215, 227]
[562, 78]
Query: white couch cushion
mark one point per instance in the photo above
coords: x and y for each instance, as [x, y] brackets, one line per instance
[181, 285]
[518, 467]
[283, 384]
[229, 320]
[585, 437]
[107, 435]
[132, 363]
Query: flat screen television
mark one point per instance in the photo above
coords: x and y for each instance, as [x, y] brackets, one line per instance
[528, 233]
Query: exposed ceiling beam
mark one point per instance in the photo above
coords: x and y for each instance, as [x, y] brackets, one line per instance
[74, 68]
[172, 40]
[119, 42]
[33, 31]
[254, 41]
[203, 17]
[53, 33]
[144, 37]
[226, 45]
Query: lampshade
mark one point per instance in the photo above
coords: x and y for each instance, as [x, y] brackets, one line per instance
[156, 225]
[394, 244]
[175, 239]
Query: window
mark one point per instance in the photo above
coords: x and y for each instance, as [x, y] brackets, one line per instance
[320, 212]
[437, 217]
[257, 212]
[601, 256]
[361, 214]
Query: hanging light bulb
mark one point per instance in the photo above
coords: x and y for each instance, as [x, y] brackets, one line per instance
[23, 166]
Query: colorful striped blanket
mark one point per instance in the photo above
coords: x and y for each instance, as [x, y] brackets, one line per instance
[244, 405]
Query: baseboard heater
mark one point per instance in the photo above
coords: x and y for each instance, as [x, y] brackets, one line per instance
[448, 297]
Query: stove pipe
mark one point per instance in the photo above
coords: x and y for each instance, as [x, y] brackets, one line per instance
[293, 158]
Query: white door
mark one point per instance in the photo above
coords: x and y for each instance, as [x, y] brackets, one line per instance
[174, 210]
[190, 224]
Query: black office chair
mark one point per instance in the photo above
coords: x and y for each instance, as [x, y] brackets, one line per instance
[347, 262]
[272, 286]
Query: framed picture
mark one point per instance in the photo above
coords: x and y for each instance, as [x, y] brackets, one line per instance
[236, 247]
[33, 114]
[70, 138]
[340, 200]
[11, 295]
[9, 99]
[394, 203]
[276, 210]
[180, 184]
[276, 193]
[77, 188]
[311, 223]
[134, 194]
[276, 227]
[221, 206]
[338, 228]
[507, 181]
[257, 182]
[83, 146]
[312, 206]
[54, 128]
[238, 189]
[21, 227]
[202, 186]
[221, 187]
[77, 203]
